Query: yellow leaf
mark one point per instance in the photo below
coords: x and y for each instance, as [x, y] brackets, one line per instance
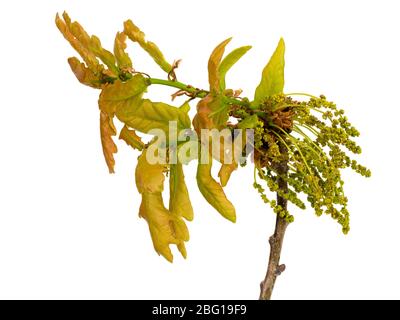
[87, 56]
[131, 138]
[84, 74]
[159, 220]
[149, 177]
[123, 60]
[211, 113]
[104, 55]
[213, 192]
[136, 35]
[179, 201]
[91, 44]
[202, 118]
[121, 95]
[213, 65]
[107, 130]
[165, 228]
[225, 172]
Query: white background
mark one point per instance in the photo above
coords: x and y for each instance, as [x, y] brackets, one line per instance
[68, 229]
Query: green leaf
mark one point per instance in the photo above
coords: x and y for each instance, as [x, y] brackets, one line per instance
[213, 192]
[229, 61]
[136, 35]
[219, 111]
[120, 95]
[179, 201]
[213, 65]
[249, 122]
[185, 107]
[272, 80]
[146, 115]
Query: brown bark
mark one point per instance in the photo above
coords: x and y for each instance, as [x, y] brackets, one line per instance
[276, 241]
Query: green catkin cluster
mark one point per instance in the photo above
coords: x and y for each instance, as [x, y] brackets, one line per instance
[319, 140]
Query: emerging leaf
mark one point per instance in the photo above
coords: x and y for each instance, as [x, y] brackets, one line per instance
[179, 201]
[213, 192]
[84, 74]
[123, 60]
[121, 95]
[228, 62]
[211, 113]
[107, 130]
[149, 177]
[159, 220]
[213, 66]
[136, 35]
[87, 56]
[131, 138]
[202, 118]
[225, 172]
[272, 80]
[104, 55]
[165, 228]
[249, 122]
[91, 44]
[219, 111]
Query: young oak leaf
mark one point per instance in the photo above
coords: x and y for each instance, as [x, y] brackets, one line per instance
[219, 111]
[249, 122]
[136, 35]
[122, 58]
[149, 177]
[104, 55]
[272, 80]
[211, 110]
[230, 156]
[88, 57]
[228, 62]
[179, 201]
[122, 95]
[213, 66]
[92, 44]
[225, 172]
[131, 138]
[159, 221]
[202, 118]
[84, 74]
[146, 115]
[213, 192]
[107, 130]
[165, 228]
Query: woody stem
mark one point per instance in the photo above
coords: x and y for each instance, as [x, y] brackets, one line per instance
[276, 240]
